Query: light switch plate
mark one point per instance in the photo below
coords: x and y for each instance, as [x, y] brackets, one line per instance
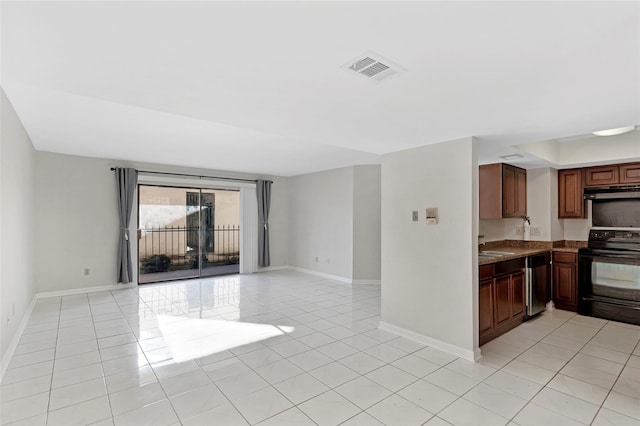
[415, 215]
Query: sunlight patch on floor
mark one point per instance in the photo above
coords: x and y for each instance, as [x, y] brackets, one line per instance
[195, 338]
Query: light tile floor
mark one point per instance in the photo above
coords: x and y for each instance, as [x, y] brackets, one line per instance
[285, 348]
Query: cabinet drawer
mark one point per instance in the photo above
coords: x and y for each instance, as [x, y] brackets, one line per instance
[486, 271]
[602, 176]
[629, 173]
[564, 257]
[509, 266]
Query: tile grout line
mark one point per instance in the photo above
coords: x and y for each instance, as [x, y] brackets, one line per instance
[104, 377]
[509, 362]
[304, 372]
[150, 366]
[614, 383]
[53, 367]
[304, 303]
[565, 364]
[530, 401]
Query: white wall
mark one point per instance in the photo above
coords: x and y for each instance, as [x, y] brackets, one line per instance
[539, 202]
[17, 164]
[556, 225]
[429, 272]
[366, 223]
[76, 222]
[77, 219]
[578, 229]
[321, 222]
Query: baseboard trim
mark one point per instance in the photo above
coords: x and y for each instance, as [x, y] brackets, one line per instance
[369, 282]
[84, 290]
[16, 339]
[274, 268]
[473, 356]
[321, 274]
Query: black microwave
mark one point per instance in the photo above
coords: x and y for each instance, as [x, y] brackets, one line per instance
[617, 207]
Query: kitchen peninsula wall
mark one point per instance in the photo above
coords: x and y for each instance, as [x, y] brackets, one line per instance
[542, 209]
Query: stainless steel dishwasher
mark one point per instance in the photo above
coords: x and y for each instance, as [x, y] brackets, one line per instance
[537, 283]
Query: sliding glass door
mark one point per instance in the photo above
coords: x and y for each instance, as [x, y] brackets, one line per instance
[187, 232]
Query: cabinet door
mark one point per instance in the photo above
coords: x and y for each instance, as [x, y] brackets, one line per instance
[509, 191]
[629, 173]
[490, 191]
[521, 193]
[570, 194]
[502, 297]
[565, 292]
[602, 176]
[518, 302]
[485, 308]
[514, 191]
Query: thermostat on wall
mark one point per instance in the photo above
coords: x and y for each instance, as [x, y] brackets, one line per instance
[432, 215]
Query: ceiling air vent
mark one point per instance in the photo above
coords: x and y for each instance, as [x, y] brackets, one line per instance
[373, 66]
[511, 157]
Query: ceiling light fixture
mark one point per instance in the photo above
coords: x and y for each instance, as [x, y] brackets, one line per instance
[617, 131]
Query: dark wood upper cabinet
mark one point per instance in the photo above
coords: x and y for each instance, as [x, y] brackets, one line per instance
[490, 191]
[503, 191]
[571, 203]
[629, 173]
[602, 176]
[521, 193]
[571, 184]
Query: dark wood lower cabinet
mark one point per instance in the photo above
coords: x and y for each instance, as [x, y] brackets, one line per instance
[485, 297]
[565, 281]
[502, 287]
[501, 299]
[518, 303]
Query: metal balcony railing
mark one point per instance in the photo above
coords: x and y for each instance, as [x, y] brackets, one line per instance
[173, 248]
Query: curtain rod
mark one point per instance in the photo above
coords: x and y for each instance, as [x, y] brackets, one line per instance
[198, 176]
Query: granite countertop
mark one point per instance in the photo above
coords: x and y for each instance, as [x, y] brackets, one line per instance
[526, 248]
[517, 253]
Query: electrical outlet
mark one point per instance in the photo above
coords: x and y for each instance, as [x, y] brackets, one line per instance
[316, 259]
[414, 215]
[519, 230]
[87, 271]
[535, 231]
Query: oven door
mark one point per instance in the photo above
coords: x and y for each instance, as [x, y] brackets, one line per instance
[609, 284]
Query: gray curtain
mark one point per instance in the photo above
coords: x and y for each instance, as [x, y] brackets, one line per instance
[127, 179]
[263, 188]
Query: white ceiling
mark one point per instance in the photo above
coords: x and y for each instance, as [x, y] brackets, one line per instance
[258, 87]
